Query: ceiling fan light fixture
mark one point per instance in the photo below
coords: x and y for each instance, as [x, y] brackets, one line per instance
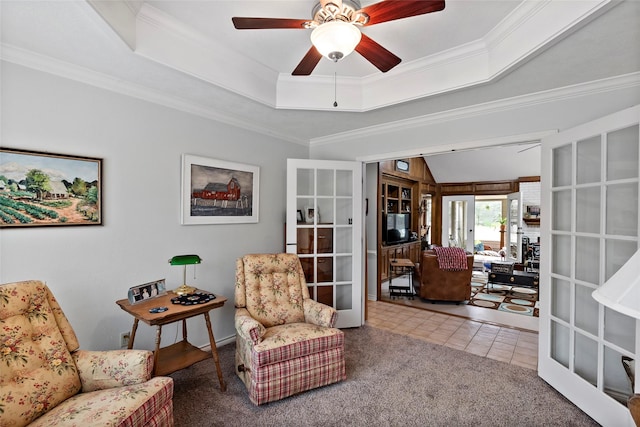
[336, 39]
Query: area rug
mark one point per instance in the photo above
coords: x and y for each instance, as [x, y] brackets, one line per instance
[512, 299]
[392, 380]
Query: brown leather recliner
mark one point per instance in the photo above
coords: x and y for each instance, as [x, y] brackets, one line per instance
[435, 284]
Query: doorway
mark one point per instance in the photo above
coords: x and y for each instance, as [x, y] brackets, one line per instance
[489, 217]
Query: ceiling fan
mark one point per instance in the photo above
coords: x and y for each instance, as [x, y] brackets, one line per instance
[336, 29]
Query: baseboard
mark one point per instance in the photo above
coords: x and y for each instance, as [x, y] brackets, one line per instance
[220, 343]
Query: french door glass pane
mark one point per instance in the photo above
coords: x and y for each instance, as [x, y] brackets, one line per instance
[324, 267]
[343, 183]
[343, 269]
[562, 166]
[305, 182]
[617, 252]
[586, 310]
[309, 271]
[622, 154]
[586, 358]
[324, 240]
[588, 210]
[344, 214]
[514, 223]
[560, 343]
[458, 224]
[302, 203]
[619, 329]
[325, 295]
[622, 209]
[305, 241]
[616, 382]
[560, 299]
[589, 160]
[588, 259]
[325, 182]
[343, 240]
[344, 297]
[561, 255]
[561, 210]
[324, 212]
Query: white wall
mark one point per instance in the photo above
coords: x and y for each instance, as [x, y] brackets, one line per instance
[89, 268]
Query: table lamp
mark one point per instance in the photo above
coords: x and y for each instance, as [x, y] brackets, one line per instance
[185, 260]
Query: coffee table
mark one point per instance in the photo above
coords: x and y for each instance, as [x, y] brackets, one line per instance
[181, 354]
[515, 278]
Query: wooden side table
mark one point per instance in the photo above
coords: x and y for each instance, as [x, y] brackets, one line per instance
[400, 267]
[181, 354]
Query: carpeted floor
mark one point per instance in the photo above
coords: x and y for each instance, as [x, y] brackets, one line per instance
[392, 380]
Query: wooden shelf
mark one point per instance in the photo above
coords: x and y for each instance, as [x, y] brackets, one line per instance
[531, 221]
[178, 356]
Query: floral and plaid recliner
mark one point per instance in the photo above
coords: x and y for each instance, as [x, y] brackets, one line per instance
[46, 381]
[285, 342]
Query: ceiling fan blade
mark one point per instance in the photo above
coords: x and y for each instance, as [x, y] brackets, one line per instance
[267, 23]
[376, 54]
[391, 10]
[308, 63]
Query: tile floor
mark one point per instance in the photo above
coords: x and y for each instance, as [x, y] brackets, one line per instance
[502, 343]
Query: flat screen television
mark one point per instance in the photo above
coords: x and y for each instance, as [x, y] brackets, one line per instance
[396, 228]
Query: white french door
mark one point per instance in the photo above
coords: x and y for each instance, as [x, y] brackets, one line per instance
[590, 199]
[514, 227]
[325, 228]
[458, 221]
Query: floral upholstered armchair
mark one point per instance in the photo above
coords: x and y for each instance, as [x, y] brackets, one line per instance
[46, 381]
[285, 341]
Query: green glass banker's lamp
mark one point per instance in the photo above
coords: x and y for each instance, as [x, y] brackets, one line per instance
[185, 260]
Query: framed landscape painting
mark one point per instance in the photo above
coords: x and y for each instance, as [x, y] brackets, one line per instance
[45, 189]
[218, 192]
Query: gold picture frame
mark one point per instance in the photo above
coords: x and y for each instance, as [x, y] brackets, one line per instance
[44, 189]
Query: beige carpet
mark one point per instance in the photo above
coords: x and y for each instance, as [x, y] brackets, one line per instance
[392, 380]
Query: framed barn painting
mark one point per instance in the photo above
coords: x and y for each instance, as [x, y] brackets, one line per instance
[45, 189]
[218, 192]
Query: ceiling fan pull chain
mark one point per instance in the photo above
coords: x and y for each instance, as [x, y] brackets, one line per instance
[335, 89]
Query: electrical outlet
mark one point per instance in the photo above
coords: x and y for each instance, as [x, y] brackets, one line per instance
[124, 339]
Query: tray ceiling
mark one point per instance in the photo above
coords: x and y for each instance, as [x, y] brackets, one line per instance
[466, 44]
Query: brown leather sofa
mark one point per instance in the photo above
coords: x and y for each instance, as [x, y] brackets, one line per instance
[432, 283]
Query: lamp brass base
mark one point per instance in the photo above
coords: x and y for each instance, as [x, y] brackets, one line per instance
[184, 290]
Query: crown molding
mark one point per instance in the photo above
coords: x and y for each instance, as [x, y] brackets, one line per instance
[63, 69]
[120, 16]
[462, 145]
[165, 40]
[531, 26]
[626, 81]
[49, 65]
